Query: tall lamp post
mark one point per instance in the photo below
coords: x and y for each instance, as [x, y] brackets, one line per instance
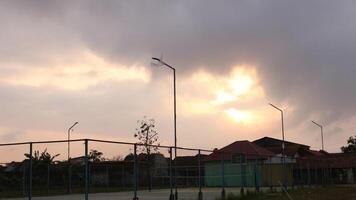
[322, 134]
[69, 165]
[69, 131]
[283, 143]
[175, 116]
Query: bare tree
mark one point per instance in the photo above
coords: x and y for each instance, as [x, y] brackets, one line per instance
[147, 135]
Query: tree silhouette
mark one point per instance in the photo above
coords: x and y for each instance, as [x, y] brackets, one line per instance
[95, 156]
[42, 158]
[351, 145]
[147, 135]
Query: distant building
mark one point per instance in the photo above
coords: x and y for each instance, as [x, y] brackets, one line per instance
[244, 163]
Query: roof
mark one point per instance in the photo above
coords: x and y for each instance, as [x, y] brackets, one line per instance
[290, 150]
[273, 142]
[333, 160]
[188, 160]
[247, 148]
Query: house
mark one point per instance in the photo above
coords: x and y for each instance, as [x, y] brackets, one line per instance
[244, 164]
[291, 149]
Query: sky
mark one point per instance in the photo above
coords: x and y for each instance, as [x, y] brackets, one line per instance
[90, 61]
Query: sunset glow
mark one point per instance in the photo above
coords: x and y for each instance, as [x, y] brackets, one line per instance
[238, 115]
[77, 73]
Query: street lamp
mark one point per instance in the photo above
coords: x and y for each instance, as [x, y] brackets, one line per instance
[69, 165]
[70, 130]
[322, 134]
[175, 112]
[283, 145]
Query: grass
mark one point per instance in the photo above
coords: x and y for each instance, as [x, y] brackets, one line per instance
[321, 193]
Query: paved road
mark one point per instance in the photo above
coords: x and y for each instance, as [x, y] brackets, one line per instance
[184, 194]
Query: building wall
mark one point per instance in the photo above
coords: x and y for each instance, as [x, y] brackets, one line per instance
[235, 174]
[248, 174]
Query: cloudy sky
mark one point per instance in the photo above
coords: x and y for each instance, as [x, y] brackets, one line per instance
[90, 61]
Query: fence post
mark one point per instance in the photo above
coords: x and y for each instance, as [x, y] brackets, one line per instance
[242, 190]
[301, 183]
[135, 173]
[48, 177]
[175, 174]
[86, 170]
[200, 195]
[171, 196]
[69, 177]
[308, 174]
[223, 194]
[255, 172]
[23, 179]
[270, 175]
[330, 174]
[30, 175]
[293, 174]
[107, 177]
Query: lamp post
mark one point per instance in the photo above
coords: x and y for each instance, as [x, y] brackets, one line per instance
[322, 134]
[70, 130]
[283, 145]
[175, 114]
[69, 165]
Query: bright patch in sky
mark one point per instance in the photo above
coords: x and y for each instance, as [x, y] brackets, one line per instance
[238, 115]
[210, 94]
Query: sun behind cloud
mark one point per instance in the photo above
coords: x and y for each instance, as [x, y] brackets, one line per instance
[206, 93]
[238, 115]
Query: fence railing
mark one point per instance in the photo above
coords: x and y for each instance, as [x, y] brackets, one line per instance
[192, 172]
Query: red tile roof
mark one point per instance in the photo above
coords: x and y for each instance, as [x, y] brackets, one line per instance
[249, 149]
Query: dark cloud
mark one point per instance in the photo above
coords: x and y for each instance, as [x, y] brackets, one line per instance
[304, 51]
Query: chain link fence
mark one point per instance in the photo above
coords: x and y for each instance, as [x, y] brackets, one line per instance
[135, 173]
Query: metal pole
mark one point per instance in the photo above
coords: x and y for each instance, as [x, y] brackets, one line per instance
[270, 175]
[23, 179]
[255, 173]
[48, 177]
[175, 120]
[308, 165]
[69, 165]
[175, 132]
[322, 138]
[86, 170]
[171, 196]
[283, 156]
[107, 176]
[69, 130]
[135, 172]
[283, 145]
[200, 195]
[242, 190]
[223, 193]
[30, 175]
[322, 134]
[301, 175]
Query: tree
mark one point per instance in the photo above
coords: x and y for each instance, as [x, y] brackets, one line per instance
[147, 136]
[351, 145]
[42, 158]
[117, 158]
[95, 156]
